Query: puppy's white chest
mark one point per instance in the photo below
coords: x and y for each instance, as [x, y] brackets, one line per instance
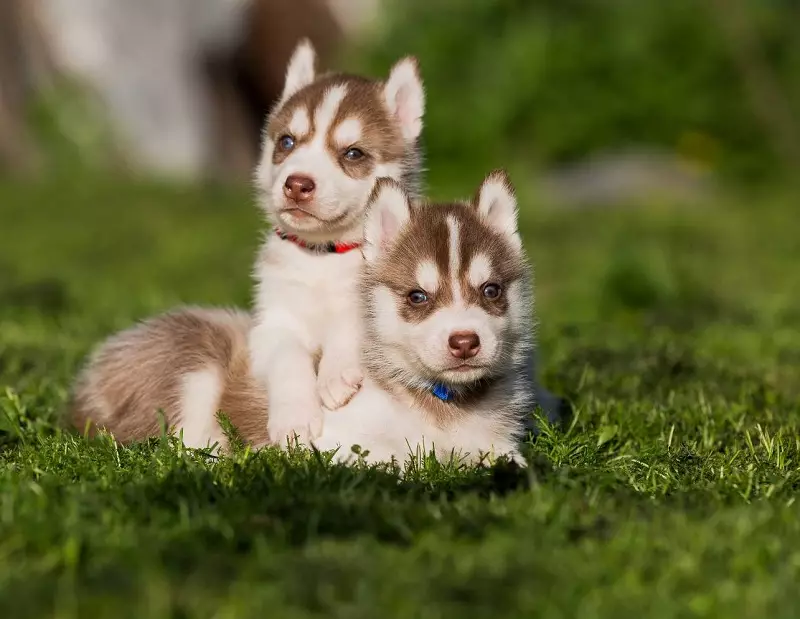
[315, 289]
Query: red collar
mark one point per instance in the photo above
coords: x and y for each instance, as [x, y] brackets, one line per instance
[330, 247]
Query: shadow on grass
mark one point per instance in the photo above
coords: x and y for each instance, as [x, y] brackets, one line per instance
[295, 498]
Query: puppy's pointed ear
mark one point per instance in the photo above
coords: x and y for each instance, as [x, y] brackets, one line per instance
[301, 70]
[497, 204]
[388, 211]
[405, 97]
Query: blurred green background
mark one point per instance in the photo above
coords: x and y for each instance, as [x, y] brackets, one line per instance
[543, 83]
[654, 146]
[549, 81]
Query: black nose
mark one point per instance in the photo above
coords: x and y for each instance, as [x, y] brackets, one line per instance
[299, 188]
[464, 344]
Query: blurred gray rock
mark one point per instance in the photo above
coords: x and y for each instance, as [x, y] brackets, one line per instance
[140, 58]
[626, 177]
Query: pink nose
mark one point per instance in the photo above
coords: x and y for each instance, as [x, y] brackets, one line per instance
[464, 344]
[299, 188]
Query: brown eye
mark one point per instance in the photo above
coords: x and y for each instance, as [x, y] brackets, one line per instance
[492, 291]
[417, 297]
[354, 154]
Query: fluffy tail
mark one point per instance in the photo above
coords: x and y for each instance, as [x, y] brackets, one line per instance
[188, 363]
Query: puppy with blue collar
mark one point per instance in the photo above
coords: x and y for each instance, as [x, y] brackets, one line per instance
[447, 348]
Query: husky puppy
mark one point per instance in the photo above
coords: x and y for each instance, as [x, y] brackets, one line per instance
[448, 329]
[327, 140]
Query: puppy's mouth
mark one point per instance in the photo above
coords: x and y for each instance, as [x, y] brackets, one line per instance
[466, 367]
[303, 215]
[455, 367]
[299, 213]
[463, 374]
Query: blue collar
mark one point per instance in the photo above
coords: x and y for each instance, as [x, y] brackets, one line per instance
[443, 392]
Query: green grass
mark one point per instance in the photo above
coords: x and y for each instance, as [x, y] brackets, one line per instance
[674, 332]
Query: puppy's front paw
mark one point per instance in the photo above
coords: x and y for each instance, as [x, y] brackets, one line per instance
[516, 457]
[302, 424]
[337, 388]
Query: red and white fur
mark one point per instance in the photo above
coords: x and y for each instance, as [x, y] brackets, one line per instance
[326, 141]
[447, 302]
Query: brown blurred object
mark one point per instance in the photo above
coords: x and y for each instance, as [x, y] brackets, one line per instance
[238, 81]
[24, 62]
[244, 85]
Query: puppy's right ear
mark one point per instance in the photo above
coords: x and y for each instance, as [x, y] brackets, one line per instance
[388, 211]
[301, 70]
[496, 202]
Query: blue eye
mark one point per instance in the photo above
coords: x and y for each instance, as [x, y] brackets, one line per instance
[354, 154]
[286, 142]
[417, 297]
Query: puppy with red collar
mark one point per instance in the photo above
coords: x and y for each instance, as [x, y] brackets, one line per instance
[327, 140]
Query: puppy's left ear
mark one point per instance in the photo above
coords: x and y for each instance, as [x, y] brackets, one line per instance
[388, 211]
[496, 202]
[405, 97]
